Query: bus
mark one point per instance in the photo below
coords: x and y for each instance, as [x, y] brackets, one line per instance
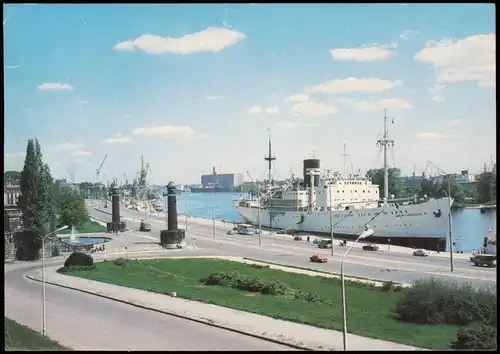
[246, 229]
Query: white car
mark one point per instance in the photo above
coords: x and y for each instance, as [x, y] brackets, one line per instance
[420, 253]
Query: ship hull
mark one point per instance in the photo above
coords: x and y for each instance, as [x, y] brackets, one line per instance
[423, 225]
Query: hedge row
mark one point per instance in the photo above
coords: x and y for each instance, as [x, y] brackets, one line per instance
[257, 285]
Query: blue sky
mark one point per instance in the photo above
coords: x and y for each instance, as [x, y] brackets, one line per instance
[196, 86]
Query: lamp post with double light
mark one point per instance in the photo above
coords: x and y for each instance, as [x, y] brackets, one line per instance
[44, 321]
[366, 233]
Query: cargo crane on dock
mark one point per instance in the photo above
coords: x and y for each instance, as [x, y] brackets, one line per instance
[97, 175]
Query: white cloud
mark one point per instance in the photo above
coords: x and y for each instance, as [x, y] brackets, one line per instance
[469, 59]
[272, 110]
[165, 131]
[352, 84]
[81, 153]
[390, 103]
[67, 146]
[258, 109]
[407, 34]
[300, 97]
[436, 92]
[365, 53]
[212, 39]
[118, 139]
[216, 97]
[55, 86]
[313, 109]
[255, 110]
[434, 136]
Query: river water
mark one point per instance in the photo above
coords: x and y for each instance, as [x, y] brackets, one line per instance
[469, 225]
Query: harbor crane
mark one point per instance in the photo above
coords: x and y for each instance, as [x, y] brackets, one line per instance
[97, 174]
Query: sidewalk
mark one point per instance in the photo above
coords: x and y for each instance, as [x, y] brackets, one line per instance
[298, 335]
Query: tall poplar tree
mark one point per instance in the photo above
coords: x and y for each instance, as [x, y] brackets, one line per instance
[36, 200]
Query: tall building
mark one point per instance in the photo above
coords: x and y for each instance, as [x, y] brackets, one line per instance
[221, 182]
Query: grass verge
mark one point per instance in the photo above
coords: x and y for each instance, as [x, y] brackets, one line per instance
[370, 310]
[86, 228]
[22, 338]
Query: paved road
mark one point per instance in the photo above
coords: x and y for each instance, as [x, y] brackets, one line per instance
[83, 321]
[381, 265]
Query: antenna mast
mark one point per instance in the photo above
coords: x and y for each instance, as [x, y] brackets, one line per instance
[385, 142]
[270, 160]
[345, 153]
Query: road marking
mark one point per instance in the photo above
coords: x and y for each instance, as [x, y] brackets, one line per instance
[148, 237]
[281, 250]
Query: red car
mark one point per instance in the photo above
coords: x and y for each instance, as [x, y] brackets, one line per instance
[317, 258]
[298, 238]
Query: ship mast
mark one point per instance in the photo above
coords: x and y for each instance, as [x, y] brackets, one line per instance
[270, 160]
[385, 142]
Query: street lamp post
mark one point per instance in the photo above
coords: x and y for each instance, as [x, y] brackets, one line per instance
[44, 321]
[258, 206]
[213, 208]
[450, 228]
[186, 207]
[368, 232]
[331, 215]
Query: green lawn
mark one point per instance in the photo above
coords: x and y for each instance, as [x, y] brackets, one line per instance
[86, 228]
[22, 338]
[369, 309]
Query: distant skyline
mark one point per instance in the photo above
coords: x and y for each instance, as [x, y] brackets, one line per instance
[197, 86]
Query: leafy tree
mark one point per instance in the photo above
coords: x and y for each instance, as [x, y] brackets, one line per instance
[71, 209]
[377, 177]
[486, 188]
[11, 177]
[435, 189]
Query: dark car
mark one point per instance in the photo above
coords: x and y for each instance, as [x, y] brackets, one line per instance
[370, 248]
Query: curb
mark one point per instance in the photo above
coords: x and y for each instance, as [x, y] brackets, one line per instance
[319, 272]
[205, 322]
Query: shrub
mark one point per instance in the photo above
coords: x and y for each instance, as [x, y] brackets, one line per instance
[311, 297]
[120, 261]
[391, 286]
[476, 337]
[79, 259]
[76, 269]
[248, 283]
[433, 301]
[259, 266]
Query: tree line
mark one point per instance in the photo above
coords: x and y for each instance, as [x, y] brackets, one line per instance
[43, 207]
[484, 192]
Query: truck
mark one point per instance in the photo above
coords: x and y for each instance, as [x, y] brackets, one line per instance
[489, 260]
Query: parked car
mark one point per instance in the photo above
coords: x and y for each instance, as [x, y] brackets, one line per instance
[370, 248]
[145, 226]
[489, 260]
[421, 253]
[318, 258]
[325, 244]
[230, 232]
[297, 238]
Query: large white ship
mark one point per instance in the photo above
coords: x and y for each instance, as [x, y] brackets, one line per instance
[346, 205]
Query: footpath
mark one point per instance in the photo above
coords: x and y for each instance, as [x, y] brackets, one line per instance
[293, 334]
